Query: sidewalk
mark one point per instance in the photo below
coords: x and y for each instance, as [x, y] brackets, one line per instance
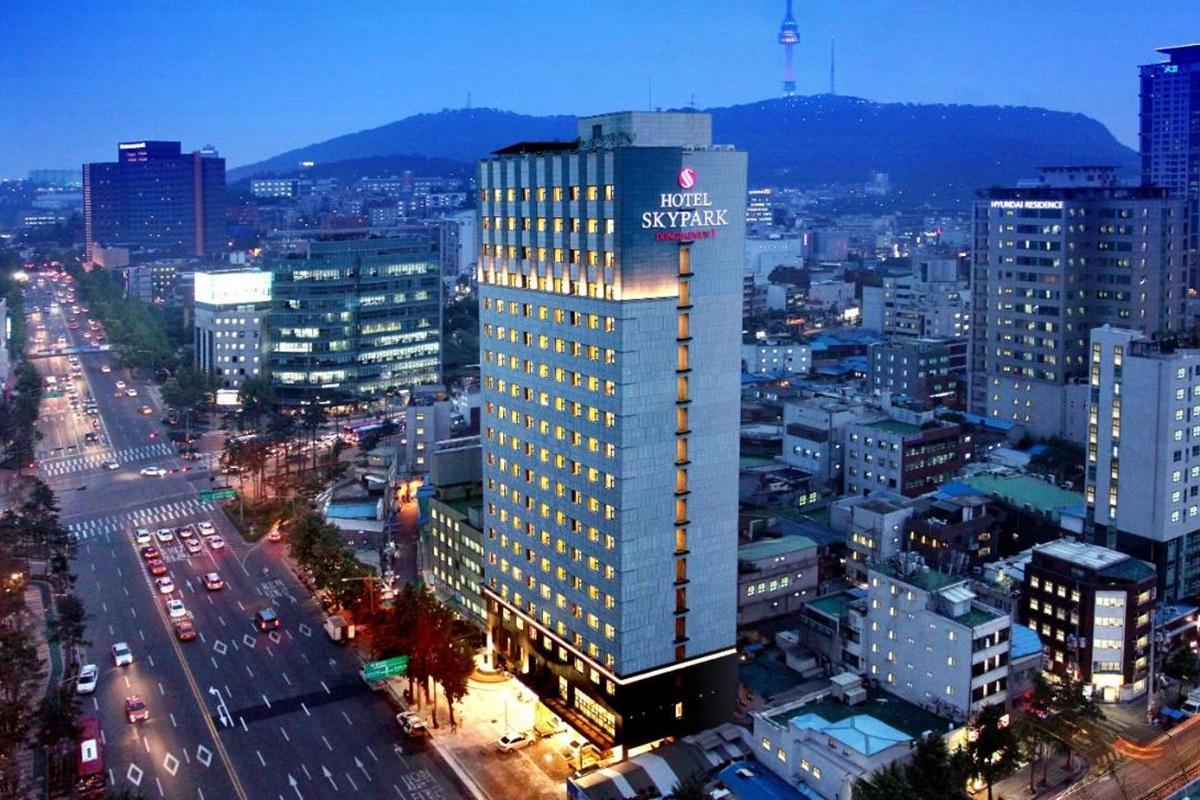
[1017, 784]
[32, 760]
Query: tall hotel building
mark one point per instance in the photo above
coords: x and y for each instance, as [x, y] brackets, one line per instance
[610, 275]
[1051, 262]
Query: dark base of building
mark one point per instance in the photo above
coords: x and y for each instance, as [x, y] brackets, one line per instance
[1175, 561]
[674, 703]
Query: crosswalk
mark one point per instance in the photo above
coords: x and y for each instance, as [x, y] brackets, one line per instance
[151, 517]
[96, 459]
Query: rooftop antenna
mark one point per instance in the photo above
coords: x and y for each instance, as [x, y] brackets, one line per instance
[832, 71]
[692, 101]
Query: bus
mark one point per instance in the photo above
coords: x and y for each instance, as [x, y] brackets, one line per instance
[352, 434]
[91, 780]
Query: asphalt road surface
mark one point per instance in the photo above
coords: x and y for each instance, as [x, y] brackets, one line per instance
[234, 713]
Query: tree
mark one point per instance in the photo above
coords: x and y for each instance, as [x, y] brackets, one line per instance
[1077, 706]
[889, 783]
[453, 667]
[992, 749]
[1183, 666]
[67, 626]
[690, 788]
[57, 725]
[19, 672]
[312, 418]
[257, 396]
[936, 772]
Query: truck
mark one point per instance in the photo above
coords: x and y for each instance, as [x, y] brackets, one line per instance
[1191, 706]
[339, 630]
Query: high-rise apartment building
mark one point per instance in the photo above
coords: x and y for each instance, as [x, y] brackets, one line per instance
[353, 316]
[1169, 133]
[1143, 453]
[1050, 263]
[610, 279]
[155, 197]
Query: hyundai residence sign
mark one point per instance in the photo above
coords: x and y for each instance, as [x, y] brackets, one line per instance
[685, 216]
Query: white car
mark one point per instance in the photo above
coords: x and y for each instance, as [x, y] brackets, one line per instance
[131, 392]
[215, 542]
[513, 741]
[105, 368]
[193, 546]
[206, 528]
[89, 676]
[412, 724]
[153, 472]
[141, 536]
[120, 384]
[164, 584]
[111, 466]
[175, 609]
[213, 582]
[165, 535]
[122, 655]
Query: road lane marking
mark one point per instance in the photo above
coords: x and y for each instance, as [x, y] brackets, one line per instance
[160, 789]
[243, 721]
[266, 701]
[214, 662]
[346, 717]
[372, 753]
[126, 681]
[286, 679]
[352, 783]
[161, 692]
[326, 741]
[326, 688]
[261, 760]
[134, 774]
[146, 742]
[306, 711]
[173, 723]
[171, 764]
[150, 658]
[283, 731]
[249, 671]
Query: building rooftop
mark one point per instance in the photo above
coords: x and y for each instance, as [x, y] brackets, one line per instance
[862, 733]
[1025, 491]
[773, 548]
[891, 711]
[894, 426]
[976, 616]
[1101, 560]
[1025, 642]
[832, 605]
[929, 580]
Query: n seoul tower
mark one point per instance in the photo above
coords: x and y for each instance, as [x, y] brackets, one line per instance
[789, 36]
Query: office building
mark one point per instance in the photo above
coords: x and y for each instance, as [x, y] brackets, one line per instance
[772, 356]
[275, 188]
[610, 275]
[1050, 263]
[230, 320]
[923, 372]
[1092, 606]
[427, 420]
[930, 640]
[874, 528]
[155, 197]
[1143, 467]
[901, 457]
[776, 576]
[812, 438]
[1169, 134]
[353, 316]
[758, 207]
[929, 302]
[454, 535]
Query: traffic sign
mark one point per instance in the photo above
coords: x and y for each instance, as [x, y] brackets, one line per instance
[212, 495]
[382, 670]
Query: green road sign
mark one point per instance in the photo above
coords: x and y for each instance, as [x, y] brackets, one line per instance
[212, 495]
[382, 670]
[54, 393]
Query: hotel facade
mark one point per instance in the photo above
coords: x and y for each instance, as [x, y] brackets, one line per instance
[610, 276]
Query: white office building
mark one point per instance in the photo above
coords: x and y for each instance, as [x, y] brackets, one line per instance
[771, 356]
[610, 279]
[231, 310]
[1143, 453]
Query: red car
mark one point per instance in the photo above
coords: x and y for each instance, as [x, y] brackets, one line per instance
[150, 551]
[185, 631]
[156, 567]
[135, 709]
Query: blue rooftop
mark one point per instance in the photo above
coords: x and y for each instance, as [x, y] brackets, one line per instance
[861, 732]
[957, 489]
[1025, 642]
[762, 784]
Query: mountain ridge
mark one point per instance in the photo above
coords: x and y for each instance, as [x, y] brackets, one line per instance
[934, 150]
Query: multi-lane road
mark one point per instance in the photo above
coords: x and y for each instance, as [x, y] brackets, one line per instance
[234, 713]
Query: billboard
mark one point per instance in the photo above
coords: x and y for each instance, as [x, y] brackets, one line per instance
[233, 288]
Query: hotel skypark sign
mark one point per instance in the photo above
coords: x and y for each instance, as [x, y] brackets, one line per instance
[685, 216]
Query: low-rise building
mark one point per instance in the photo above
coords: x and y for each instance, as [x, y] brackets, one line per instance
[230, 321]
[874, 527]
[812, 437]
[930, 640]
[776, 577]
[1092, 607]
[776, 356]
[923, 372]
[454, 535]
[889, 454]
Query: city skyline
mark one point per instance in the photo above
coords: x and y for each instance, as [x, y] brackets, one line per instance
[254, 101]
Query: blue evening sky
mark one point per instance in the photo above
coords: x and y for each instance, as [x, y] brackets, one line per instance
[257, 77]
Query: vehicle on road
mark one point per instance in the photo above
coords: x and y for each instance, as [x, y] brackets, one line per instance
[275, 534]
[112, 466]
[206, 528]
[91, 438]
[165, 535]
[143, 409]
[164, 585]
[186, 531]
[175, 609]
[339, 630]
[213, 582]
[411, 723]
[513, 741]
[136, 709]
[185, 631]
[150, 551]
[156, 566]
[265, 619]
[193, 546]
[91, 778]
[105, 368]
[142, 536]
[215, 542]
[89, 676]
[131, 393]
[122, 655]
[153, 472]
[120, 384]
